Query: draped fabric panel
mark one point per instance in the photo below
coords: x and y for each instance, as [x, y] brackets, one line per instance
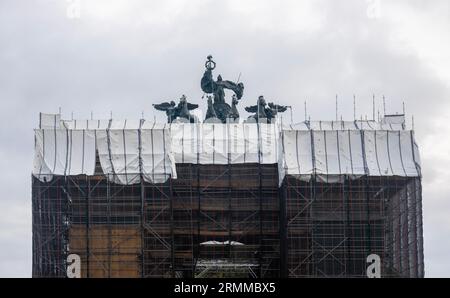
[127, 154]
[212, 143]
[63, 152]
[350, 152]
[129, 151]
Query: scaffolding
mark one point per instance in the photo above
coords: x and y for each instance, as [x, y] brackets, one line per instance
[331, 228]
[159, 230]
[228, 221]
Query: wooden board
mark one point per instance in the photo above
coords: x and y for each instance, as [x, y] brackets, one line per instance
[113, 252]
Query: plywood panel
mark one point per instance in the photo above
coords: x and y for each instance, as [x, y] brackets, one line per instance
[113, 252]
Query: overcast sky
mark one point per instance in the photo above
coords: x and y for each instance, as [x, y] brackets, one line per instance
[125, 55]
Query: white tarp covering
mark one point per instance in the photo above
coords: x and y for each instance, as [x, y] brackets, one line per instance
[125, 150]
[118, 151]
[347, 152]
[126, 153]
[346, 125]
[129, 150]
[80, 157]
[49, 121]
[297, 152]
[63, 152]
[372, 125]
[332, 125]
[296, 126]
[212, 143]
[85, 124]
[351, 154]
[410, 162]
[394, 119]
[158, 163]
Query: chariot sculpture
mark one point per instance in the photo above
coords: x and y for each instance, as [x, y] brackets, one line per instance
[218, 110]
[222, 109]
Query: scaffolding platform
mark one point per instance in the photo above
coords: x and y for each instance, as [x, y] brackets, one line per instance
[226, 200]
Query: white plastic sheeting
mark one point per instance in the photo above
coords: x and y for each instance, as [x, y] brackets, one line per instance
[297, 126]
[332, 125]
[350, 152]
[297, 152]
[394, 119]
[101, 124]
[85, 124]
[373, 125]
[125, 149]
[208, 143]
[49, 121]
[125, 153]
[129, 150]
[347, 125]
[158, 163]
[118, 151]
[63, 152]
[390, 153]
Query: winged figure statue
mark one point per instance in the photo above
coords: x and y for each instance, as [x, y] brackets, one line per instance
[173, 111]
[262, 110]
[170, 108]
